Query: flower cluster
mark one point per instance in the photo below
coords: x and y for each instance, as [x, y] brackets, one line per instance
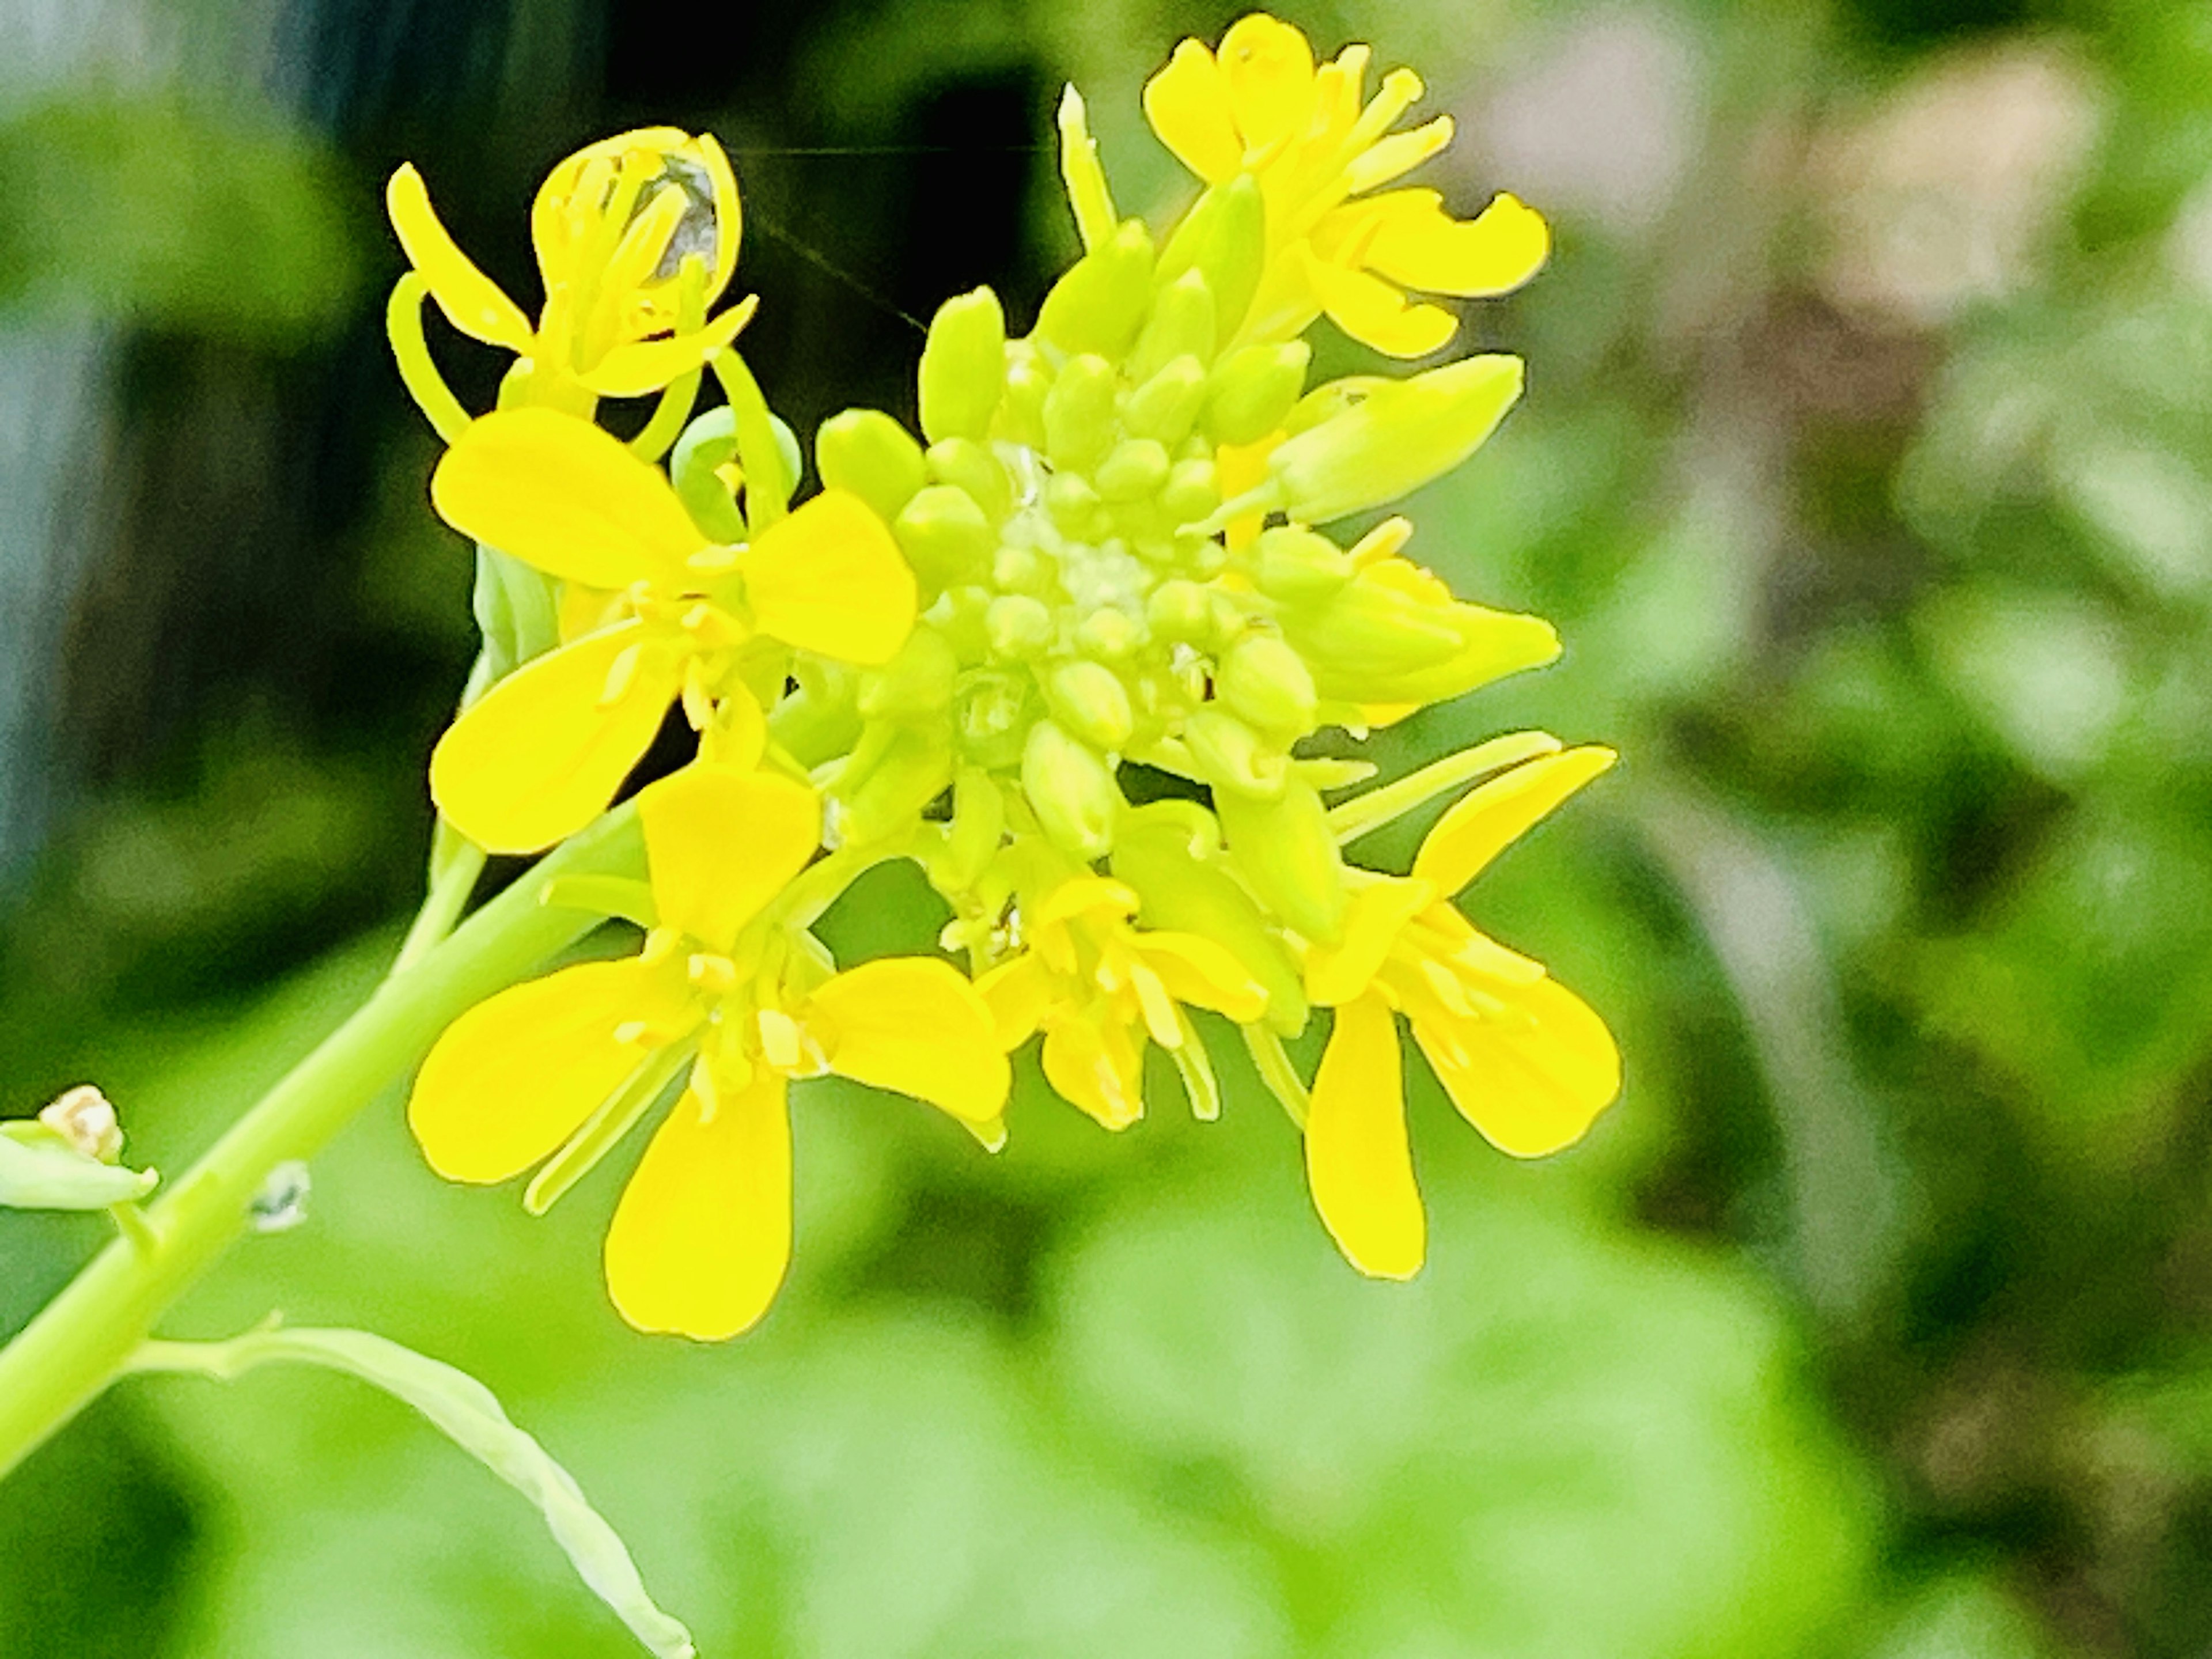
[1101, 559]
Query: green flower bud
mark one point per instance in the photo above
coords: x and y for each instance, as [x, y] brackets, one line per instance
[1181, 610]
[967, 464]
[896, 778]
[1401, 435]
[1182, 326]
[1224, 238]
[1166, 405]
[963, 366]
[943, 535]
[1295, 567]
[993, 716]
[1235, 759]
[1134, 472]
[821, 717]
[1072, 791]
[710, 441]
[1172, 860]
[1262, 681]
[1376, 644]
[917, 684]
[1101, 302]
[1078, 413]
[1089, 700]
[1020, 627]
[1288, 855]
[1072, 503]
[1019, 569]
[1108, 635]
[1250, 392]
[1191, 493]
[1021, 410]
[972, 839]
[867, 451]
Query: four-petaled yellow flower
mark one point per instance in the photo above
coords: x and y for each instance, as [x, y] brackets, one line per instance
[1524, 1059]
[1317, 146]
[635, 237]
[701, 1240]
[1100, 988]
[546, 748]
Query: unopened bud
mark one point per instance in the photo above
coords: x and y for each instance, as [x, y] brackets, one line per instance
[993, 717]
[1019, 627]
[1180, 610]
[1374, 642]
[969, 465]
[1078, 413]
[1251, 392]
[1182, 324]
[908, 771]
[867, 451]
[1091, 701]
[1174, 864]
[1264, 682]
[1021, 408]
[1295, 567]
[1167, 404]
[1193, 491]
[1134, 472]
[1233, 757]
[1072, 791]
[963, 366]
[1225, 238]
[1100, 304]
[943, 535]
[914, 684]
[1286, 851]
[86, 1119]
[1108, 634]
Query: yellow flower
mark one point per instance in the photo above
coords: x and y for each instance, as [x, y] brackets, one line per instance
[1100, 989]
[1318, 146]
[545, 749]
[628, 232]
[702, 1236]
[1524, 1059]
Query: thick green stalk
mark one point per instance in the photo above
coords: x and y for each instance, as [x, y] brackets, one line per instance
[70, 1353]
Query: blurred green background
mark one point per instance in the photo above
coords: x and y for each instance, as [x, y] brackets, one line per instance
[1867, 469]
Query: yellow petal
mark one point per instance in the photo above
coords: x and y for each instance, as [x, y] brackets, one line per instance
[556, 492]
[830, 578]
[1017, 992]
[1203, 974]
[1358, 1163]
[720, 842]
[1484, 822]
[1084, 896]
[472, 303]
[915, 1025]
[643, 366]
[1268, 68]
[1377, 314]
[1378, 912]
[729, 215]
[544, 750]
[1098, 1064]
[1397, 153]
[700, 1242]
[514, 1077]
[1530, 1089]
[1421, 246]
[1188, 104]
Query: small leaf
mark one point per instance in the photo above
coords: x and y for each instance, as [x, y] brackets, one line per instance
[38, 1171]
[465, 1412]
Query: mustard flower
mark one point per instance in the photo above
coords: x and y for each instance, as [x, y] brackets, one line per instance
[544, 750]
[1318, 146]
[1524, 1059]
[620, 230]
[701, 1238]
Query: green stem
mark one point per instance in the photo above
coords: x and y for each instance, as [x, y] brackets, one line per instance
[78, 1345]
[456, 879]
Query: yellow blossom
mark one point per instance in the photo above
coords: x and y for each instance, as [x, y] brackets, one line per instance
[1100, 989]
[546, 748]
[702, 1236]
[1318, 147]
[629, 233]
[1524, 1059]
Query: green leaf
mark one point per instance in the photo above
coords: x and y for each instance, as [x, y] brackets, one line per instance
[38, 1171]
[465, 1412]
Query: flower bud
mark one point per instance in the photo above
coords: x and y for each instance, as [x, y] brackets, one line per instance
[1224, 238]
[963, 366]
[1019, 627]
[1134, 472]
[1265, 682]
[709, 444]
[1072, 503]
[993, 717]
[1192, 492]
[943, 535]
[1233, 757]
[1091, 701]
[1072, 791]
[1288, 855]
[1166, 405]
[917, 684]
[1100, 304]
[1021, 410]
[1374, 642]
[1078, 413]
[868, 453]
[1251, 391]
[1173, 865]
[896, 777]
[86, 1119]
[1182, 324]
[1181, 610]
[1108, 634]
[1295, 567]
[967, 464]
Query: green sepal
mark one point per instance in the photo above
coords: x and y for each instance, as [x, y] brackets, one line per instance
[708, 442]
[895, 771]
[1071, 789]
[1225, 238]
[606, 896]
[1251, 392]
[1287, 855]
[1100, 303]
[916, 684]
[971, 839]
[1170, 853]
[40, 1171]
[1234, 758]
[1265, 683]
[768, 451]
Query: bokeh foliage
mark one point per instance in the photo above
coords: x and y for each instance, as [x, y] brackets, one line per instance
[1866, 469]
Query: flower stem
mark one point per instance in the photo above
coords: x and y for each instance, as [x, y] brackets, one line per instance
[83, 1340]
